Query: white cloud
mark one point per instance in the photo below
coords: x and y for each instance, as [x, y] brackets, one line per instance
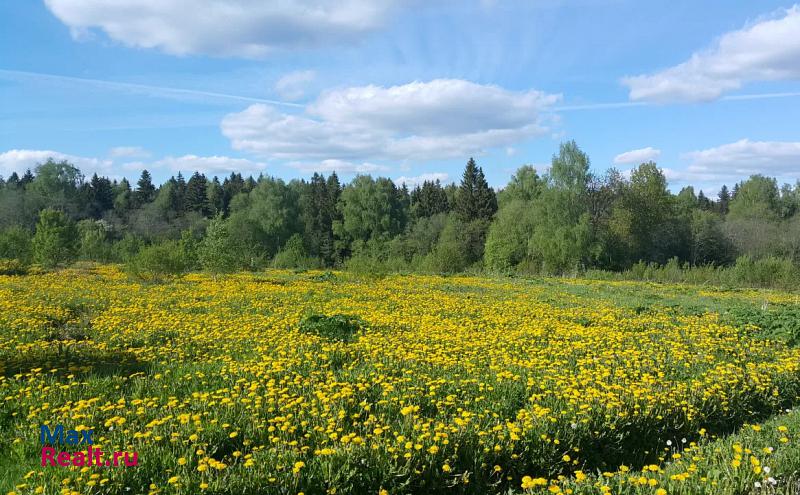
[443, 118]
[767, 50]
[638, 156]
[419, 179]
[744, 158]
[21, 160]
[241, 28]
[208, 165]
[339, 166]
[129, 152]
[292, 86]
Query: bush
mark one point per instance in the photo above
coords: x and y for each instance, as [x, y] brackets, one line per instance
[216, 252]
[12, 267]
[507, 240]
[782, 323]
[293, 255]
[93, 242]
[55, 240]
[765, 272]
[126, 248]
[338, 327]
[157, 262]
[15, 243]
[746, 272]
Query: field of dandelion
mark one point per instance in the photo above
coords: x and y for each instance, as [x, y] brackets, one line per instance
[282, 382]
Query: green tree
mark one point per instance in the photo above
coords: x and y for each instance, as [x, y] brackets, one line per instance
[215, 197]
[428, 200]
[525, 185]
[370, 209]
[723, 200]
[562, 237]
[15, 243]
[507, 240]
[100, 196]
[55, 240]
[123, 198]
[93, 240]
[293, 255]
[262, 220]
[709, 243]
[757, 197]
[145, 190]
[217, 252]
[475, 199]
[196, 196]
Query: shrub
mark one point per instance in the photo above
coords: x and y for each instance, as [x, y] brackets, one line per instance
[293, 255]
[12, 266]
[338, 327]
[782, 323]
[157, 262]
[55, 240]
[765, 272]
[93, 240]
[15, 242]
[216, 252]
[126, 248]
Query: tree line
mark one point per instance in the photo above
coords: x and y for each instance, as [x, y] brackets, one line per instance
[566, 220]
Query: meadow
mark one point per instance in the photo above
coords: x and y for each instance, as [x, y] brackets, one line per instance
[329, 382]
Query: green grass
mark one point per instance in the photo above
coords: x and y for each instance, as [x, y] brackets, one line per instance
[707, 468]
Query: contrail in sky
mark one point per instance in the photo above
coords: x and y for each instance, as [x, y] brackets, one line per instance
[160, 91]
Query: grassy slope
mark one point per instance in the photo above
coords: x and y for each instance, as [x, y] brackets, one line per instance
[762, 458]
[642, 297]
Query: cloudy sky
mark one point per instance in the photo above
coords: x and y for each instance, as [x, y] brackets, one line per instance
[407, 89]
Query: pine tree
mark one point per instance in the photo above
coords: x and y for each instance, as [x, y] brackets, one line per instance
[100, 196]
[196, 198]
[703, 202]
[231, 186]
[475, 199]
[145, 190]
[215, 196]
[27, 178]
[13, 181]
[428, 200]
[123, 198]
[724, 200]
[176, 195]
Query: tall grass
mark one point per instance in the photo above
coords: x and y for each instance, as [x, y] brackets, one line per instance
[767, 272]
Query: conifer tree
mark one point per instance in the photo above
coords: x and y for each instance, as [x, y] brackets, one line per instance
[145, 190]
[475, 199]
[196, 198]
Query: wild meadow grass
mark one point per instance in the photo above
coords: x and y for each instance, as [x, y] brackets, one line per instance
[282, 382]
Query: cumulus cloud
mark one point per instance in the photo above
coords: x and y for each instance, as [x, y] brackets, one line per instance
[443, 118]
[240, 28]
[638, 156]
[21, 160]
[746, 157]
[292, 86]
[419, 179]
[767, 50]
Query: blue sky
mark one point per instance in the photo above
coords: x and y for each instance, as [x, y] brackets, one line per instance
[405, 89]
